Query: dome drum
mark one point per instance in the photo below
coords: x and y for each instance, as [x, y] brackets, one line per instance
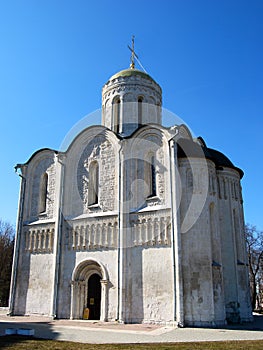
[129, 99]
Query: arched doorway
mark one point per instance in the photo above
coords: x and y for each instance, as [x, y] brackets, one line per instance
[89, 288]
[94, 296]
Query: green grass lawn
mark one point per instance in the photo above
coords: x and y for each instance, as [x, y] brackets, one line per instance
[20, 342]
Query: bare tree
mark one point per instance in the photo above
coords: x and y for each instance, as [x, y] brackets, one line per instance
[254, 240]
[6, 257]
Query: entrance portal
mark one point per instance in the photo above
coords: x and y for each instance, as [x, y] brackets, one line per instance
[89, 289]
[94, 296]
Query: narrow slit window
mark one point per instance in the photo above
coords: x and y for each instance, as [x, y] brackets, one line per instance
[116, 114]
[140, 110]
[93, 195]
[43, 193]
[150, 176]
[236, 229]
[153, 177]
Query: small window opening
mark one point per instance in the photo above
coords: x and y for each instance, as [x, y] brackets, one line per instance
[116, 115]
[93, 194]
[140, 99]
[153, 178]
[43, 193]
[150, 176]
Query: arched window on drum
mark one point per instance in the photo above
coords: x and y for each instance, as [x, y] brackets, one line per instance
[116, 111]
[140, 102]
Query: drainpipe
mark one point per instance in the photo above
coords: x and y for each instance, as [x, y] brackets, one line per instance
[57, 236]
[19, 229]
[120, 238]
[176, 238]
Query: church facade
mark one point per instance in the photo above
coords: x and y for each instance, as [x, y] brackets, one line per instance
[134, 222]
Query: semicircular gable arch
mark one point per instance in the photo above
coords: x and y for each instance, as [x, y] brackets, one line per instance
[40, 161]
[184, 132]
[146, 138]
[88, 135]
[40, 171]
[38, 155]
[85, 143]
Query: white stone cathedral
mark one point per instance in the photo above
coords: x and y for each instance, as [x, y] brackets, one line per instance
[134, 222]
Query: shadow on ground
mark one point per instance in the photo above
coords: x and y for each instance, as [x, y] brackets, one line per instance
[70, 330]
[256, 325]
[43, 330]
[8, 341]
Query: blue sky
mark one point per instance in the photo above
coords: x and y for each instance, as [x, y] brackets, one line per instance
[207, 56]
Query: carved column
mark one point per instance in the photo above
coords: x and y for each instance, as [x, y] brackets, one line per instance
[104, 301]
[156, 231]
[162, 228]
[92, 236]
[30, 247]
[73, 238]
[35, 241]
[72, 300]
[81, 237]
[105, 235]
[39, 234]
[45, 240]
[78, 237]
[88, 244]
[99, 234]
[82, 303]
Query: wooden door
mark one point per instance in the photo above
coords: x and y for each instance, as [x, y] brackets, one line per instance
[94, 297]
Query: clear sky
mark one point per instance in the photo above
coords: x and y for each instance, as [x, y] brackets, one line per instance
[207, 55]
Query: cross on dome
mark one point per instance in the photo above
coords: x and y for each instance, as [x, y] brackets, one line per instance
[133, 54]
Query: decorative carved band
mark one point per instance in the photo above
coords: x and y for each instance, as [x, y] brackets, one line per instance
[229, 188]
[151, 230]
[145, 229]
[95, 235]
[39, 240]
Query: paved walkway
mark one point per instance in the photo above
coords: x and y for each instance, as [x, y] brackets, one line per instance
[101, 333]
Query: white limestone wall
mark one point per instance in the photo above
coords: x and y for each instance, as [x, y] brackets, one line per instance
[197, 275]
[229, 257]
[158, 285]
[22, 278]
[70, 259]
[242, 257]
[38, 299]
[151, 280]
[214, 224]
[201, 255]
[234, 255]
[34, 275]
